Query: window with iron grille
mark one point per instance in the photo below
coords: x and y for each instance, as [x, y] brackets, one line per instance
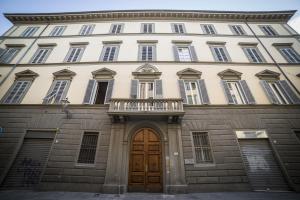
[57, 31]
[41, 55]
[147, 28]
[209, 29]
[202, 149]
[74, 54]
[290, 54]
[8, 54]
[88, 148]
[29, 31]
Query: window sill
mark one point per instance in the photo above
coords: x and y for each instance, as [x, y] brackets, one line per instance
[205, 165]
[82, 165]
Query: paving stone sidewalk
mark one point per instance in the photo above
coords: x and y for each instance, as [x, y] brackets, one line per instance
[32, 195]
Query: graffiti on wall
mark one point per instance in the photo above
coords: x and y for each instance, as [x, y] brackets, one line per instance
[31, 170]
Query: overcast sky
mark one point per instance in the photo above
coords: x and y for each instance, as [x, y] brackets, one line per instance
[31, 6]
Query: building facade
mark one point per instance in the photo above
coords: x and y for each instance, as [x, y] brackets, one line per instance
[150, 101]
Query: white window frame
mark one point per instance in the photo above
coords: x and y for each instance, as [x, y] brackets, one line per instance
[268, 30]
[280, 96]
[208, 146]
[183, 57]
[180, 28]
[146, 89]
[208, 29]
[41, 55]
[7, 56]
[195, 95]
[14, 91]
[237, 30]
[254, 56]
[51, 96]
[57, 31]
[236, 92]
[147, 27]
[147, 55]
[29, 31]
[223, 57]
[118, 29]
[87, 29]
[104, 50]
[79, 48]
[289, 54]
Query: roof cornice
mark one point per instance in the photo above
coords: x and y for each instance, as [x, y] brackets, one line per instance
[254, 16]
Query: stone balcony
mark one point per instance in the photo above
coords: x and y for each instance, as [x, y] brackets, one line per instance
[123, 109]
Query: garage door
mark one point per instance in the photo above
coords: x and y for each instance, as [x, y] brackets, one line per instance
[263, 171]
[28, 165]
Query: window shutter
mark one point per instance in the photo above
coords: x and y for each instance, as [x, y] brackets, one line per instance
[173, 28]
[247, 92]
[153, 53]
[182, 90]
[176, 55]
[140, 53]
[289, 92]
[53, 89]
[269, 92]
[203, 92]
[109, 90]
[193, 53]
[227, 92]
[16, 92]
[116, 53]
[122, 28]
[158, 89]
[134, 89]
[91, 87]
[62, 91]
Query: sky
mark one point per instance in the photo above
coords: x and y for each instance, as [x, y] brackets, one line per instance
[32, 6]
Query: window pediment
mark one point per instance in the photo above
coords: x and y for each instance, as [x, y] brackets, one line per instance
[104, 73]
[268, 75]
[64, 74]
[230, 74]
[146, 71]
[26, 74]
[189, 73]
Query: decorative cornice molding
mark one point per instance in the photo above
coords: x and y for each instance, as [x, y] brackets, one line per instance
[189, 73]
[268, 75]
[230, 74]
[278, 16]
[64, 74]
[26, 74]
[103, 73]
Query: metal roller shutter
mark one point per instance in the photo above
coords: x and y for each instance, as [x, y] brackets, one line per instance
[263, 171]
[27, 168]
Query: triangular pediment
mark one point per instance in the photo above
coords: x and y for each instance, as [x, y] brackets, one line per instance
[230, 74]
[189, 73]
[103, 73]
[64, 73]
[26, 74]
[268, 74]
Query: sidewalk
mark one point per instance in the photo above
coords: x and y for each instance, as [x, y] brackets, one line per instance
[31, 195]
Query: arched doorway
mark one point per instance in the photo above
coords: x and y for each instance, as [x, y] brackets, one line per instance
[145, 165]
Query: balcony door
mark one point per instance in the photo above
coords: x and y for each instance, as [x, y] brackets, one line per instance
[145, 166]
[146, 90]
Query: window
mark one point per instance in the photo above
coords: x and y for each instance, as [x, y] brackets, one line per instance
[253, 54]
[268, 30]
[147, 52]
[88, 148]
[278, 92]
[109, 53]
[75, 53]
[235, 91]
[116, 28]
[9, 54]
[98, 91]
[16, 93]
[184, 54]
[146, 90]
[237, 30]
[87, 29]
[208, 29]
[202, 149]
[57, 30]
[29, 31]
[192, 92]
[178, 28]
[57, 92]
[147, 28]
[290, 54]
[41, 55]
[220, 53]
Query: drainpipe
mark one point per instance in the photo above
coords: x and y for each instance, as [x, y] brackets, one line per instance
[274, 61]
[15, 65]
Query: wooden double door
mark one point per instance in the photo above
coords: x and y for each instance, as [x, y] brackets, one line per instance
[145, 166]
